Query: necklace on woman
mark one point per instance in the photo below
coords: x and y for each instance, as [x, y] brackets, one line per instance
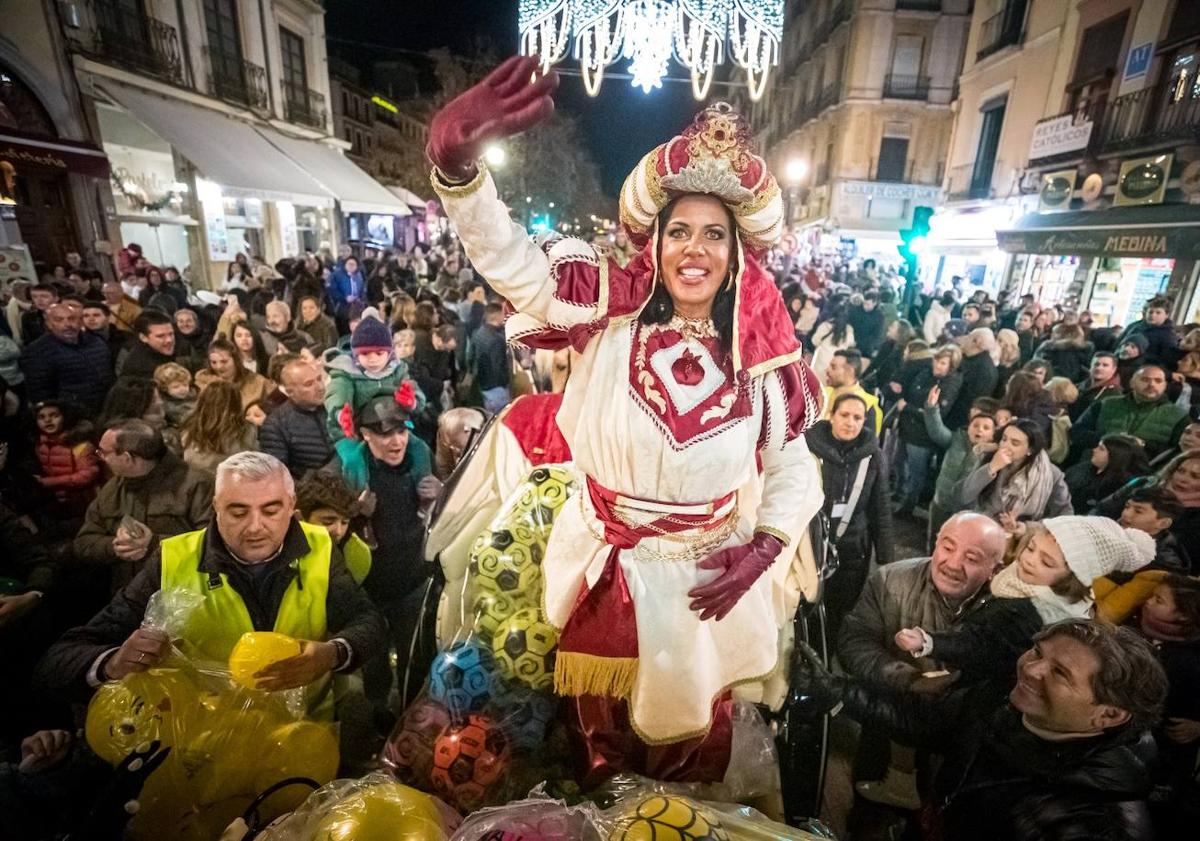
[692, 328]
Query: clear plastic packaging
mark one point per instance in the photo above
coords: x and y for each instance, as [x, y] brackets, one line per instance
[227, 743]
[374, 808]
[537, 818]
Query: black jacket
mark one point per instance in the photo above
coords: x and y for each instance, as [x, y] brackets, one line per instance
[978, 375]
[349, 613]
[141, 361]
[297, 437]
[80, 373]
[885, 369]
[869, 328]
[1066, 359]
[1162, 339]
[1184, 529]
[987, 644]
[1000, 782]
[871, 522]
[488, 358]
[916, 391]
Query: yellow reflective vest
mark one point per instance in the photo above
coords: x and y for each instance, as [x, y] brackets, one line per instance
[216, 625]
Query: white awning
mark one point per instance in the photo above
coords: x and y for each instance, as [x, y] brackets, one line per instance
[356, 191]
[409, 197]
[227, 151]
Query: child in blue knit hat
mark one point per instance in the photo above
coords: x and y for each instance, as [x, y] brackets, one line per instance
[368, 370]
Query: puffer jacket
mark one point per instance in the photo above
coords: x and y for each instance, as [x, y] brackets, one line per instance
[1067, 359]
[1000, 782]
[79, 372]
[297, 437]
[1161, 340]
[171, 499]
[69, 466]
[978, 375]
[916, 391]
[871, 522]
[1157, 424]
[351, 385]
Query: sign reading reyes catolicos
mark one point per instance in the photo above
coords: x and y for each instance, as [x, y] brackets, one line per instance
[1058, 135]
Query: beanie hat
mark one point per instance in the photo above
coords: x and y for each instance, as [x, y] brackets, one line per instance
[371, 334]
[1097, 546]
[1143, 344]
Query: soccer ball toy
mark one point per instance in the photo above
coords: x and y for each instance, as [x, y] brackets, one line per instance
[462, 678]
[492, 610]
[540, 497]
[468, 761]
[525, 715]
[409, 750]
[525, 647]
[668, 818]
[507, 561]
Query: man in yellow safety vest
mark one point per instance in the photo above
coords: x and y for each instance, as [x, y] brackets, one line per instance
[258, 569]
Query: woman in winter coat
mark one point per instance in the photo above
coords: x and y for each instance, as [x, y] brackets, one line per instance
[224, 366]
[919, 448]
[978, 372]
[216, 429]
[885, 367]
[1068, 352]
[845, 446]
[964, 449]
[1114, 461]
[1018, 482]
[1009, 346]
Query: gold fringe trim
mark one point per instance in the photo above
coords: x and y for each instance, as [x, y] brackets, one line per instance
[578, 674]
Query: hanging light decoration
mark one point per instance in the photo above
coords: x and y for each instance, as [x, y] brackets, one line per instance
[698, 33]
[599, 29]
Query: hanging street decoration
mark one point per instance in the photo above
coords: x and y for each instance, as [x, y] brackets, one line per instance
[699, 34]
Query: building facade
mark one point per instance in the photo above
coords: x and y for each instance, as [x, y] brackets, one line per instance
[215, 119]
[1074, 134]
[859, 116]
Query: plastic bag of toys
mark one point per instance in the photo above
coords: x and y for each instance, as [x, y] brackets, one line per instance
[227, 743]
[374, 808]
[650, 813]
[478, 733]
[537, 818]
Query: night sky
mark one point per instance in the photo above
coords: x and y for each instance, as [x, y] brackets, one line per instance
[621, 124]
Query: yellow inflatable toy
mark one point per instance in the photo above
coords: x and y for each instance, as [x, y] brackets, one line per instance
[384, 812]
[255, 651]
[668, 818]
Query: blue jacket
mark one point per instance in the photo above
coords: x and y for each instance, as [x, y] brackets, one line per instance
[81, 373]
[343, 285]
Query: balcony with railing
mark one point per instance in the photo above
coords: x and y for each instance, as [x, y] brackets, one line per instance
[112, 33]
[1167, 113]
[236, 80]
[905, 86]
[971, 181]
[1002, 29]
[306, 107]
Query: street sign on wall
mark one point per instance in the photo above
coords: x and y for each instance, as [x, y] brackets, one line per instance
[1059, 135]
[1143, 180]
[1138, 61]
[1056, 190]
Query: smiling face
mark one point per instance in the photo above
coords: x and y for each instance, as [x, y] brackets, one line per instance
[696, 248]
[388, 447]
[1054, 688]
[185, 321]
[967, 552]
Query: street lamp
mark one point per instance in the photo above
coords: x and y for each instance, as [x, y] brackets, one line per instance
[495, 156]
[794, 171]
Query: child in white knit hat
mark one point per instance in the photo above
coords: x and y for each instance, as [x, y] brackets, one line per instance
[1051, 580]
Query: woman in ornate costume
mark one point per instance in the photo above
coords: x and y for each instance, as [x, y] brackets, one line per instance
[685, 414]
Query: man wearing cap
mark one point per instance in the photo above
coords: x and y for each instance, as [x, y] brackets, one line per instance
[393, 470]
[1145, 412]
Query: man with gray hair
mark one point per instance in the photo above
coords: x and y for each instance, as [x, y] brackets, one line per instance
[256, 568]
[281, 332]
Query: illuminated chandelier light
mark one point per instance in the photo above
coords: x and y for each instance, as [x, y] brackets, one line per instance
[649, 41]
[650, 32]
[545, 27]
[599, 29]
[700, 39]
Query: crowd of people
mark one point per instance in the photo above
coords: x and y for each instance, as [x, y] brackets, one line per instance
[1053, 468]
[1052, 465]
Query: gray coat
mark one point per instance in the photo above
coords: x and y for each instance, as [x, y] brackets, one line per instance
[896, 596]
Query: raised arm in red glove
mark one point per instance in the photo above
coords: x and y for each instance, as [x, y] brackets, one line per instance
[742, 565]
[505, 103]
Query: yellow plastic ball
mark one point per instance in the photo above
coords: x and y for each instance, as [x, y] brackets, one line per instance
[668, 818]
[385, 812]
[296, 749]
[255, 651]
[143, 707]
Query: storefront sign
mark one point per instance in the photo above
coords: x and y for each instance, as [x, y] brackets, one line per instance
[1138, 61]
[1056, 191]
[60, 155]
[887, 190]
[1103, 242]
[1059, 135]
[1143, 180]
[15, 263]
[287, 226]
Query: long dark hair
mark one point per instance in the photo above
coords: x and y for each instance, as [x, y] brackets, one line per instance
[1126, 460]
[261, 360]
[660, 309]
[1033, 434]
[838, 316]
[1023, 394]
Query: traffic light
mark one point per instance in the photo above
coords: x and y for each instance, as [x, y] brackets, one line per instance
[914, 238]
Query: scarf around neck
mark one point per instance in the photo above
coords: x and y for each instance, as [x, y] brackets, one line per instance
[1050, 606]
[1029, 487]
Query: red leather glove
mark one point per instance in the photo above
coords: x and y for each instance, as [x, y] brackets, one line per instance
[503, 104]
[742, 565]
